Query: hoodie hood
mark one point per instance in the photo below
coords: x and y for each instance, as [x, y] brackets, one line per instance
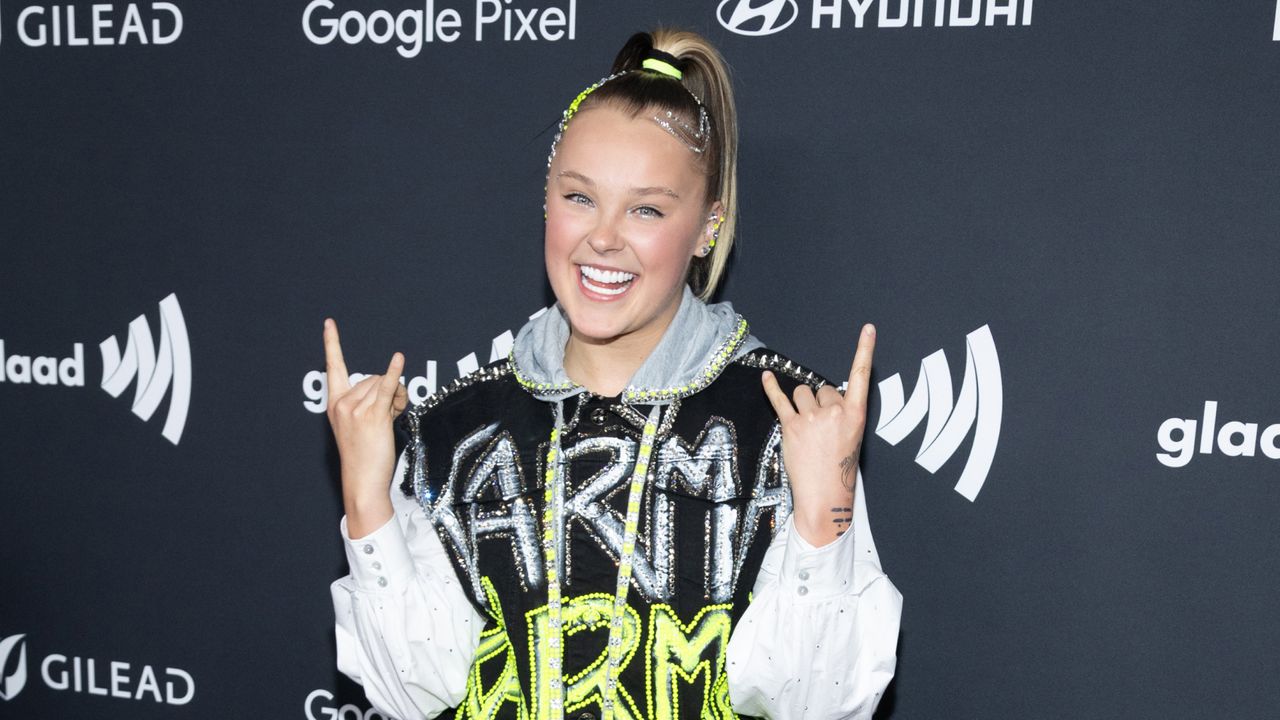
[699, 343]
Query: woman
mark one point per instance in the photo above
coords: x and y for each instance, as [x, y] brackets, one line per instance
[641, 513]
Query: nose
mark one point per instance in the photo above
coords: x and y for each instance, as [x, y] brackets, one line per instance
[606, 236]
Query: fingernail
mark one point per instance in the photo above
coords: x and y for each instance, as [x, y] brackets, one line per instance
[870, 330]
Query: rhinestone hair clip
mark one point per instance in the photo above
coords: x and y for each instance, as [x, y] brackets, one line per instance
[694, 138]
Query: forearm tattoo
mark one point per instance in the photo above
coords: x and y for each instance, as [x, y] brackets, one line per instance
[849, 468]
[843, 519]
[843, 516]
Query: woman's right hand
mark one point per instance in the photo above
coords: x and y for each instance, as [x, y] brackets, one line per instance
[361, 418]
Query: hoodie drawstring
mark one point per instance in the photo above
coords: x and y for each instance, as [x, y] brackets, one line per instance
[553, 541]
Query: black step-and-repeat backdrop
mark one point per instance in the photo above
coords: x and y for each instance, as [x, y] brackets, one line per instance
[1063, 217]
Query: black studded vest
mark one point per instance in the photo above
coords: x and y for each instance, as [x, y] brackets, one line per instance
[714, 495]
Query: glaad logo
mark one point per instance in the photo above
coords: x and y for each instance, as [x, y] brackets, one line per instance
[980, 403]
[315, 385]
[1177, 437]
[99, 24]
[11, 685]
[167, 369]
[746, 18]
[156, 372]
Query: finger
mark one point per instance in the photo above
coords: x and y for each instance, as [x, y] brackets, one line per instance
[860, 372]
[777, 398]
[803, 396]
[354, 398]
[827, 395]
[400, 401]
[334, 365]
[371, 395]
[391, 381]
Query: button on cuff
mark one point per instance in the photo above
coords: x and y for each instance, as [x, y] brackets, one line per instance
[379, 561]
[814, 574]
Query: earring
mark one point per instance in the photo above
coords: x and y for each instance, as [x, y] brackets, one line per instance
[715, 229]
[705, 250]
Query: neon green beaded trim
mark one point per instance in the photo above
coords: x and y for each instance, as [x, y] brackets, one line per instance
[537, 388]
[552, 515]
[724, 354]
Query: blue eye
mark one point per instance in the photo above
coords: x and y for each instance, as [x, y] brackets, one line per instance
[649, 212]
[578, 199]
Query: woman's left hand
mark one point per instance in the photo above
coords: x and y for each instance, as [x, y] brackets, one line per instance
[821, 443]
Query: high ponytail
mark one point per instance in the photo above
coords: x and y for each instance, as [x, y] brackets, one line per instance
[704, 85]
[707, 76]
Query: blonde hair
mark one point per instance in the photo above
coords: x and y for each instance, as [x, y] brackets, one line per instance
[705, 84]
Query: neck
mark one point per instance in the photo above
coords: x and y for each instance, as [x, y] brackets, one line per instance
[606, 366]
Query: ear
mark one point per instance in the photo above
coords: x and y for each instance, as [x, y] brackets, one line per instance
[710, 228]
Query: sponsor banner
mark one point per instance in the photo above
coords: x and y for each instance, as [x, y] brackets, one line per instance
[408, 27]
[95, 24]
[91, 676]
[1179, 439]
[751, 17]
[320, 705]
[154, 369]
[979, 406]
[315, 384]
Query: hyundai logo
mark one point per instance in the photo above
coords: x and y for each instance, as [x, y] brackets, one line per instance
[747, 17]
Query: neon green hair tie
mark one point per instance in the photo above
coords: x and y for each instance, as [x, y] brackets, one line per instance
[662, 66]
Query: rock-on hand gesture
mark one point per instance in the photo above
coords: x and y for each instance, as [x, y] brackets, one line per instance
[361, 417]
[821, 443]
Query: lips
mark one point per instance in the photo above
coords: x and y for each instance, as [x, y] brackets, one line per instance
[604, 282]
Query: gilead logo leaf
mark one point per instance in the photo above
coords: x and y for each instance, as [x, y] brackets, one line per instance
[12, 684]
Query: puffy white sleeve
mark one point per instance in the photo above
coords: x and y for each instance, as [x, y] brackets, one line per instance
[405, 627]
[819, 639]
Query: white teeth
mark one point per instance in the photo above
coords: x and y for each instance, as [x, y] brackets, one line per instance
[604, 290]
[612, 277]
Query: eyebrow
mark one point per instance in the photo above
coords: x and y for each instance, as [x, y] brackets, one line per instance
[653, 190]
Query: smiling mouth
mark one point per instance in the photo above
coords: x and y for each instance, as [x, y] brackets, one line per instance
[605, 282]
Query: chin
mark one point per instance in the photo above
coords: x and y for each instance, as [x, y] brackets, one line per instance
[594, 323]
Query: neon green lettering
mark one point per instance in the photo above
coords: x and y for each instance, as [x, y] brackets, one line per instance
[585, 613]
[485, 703]
[678, 652]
